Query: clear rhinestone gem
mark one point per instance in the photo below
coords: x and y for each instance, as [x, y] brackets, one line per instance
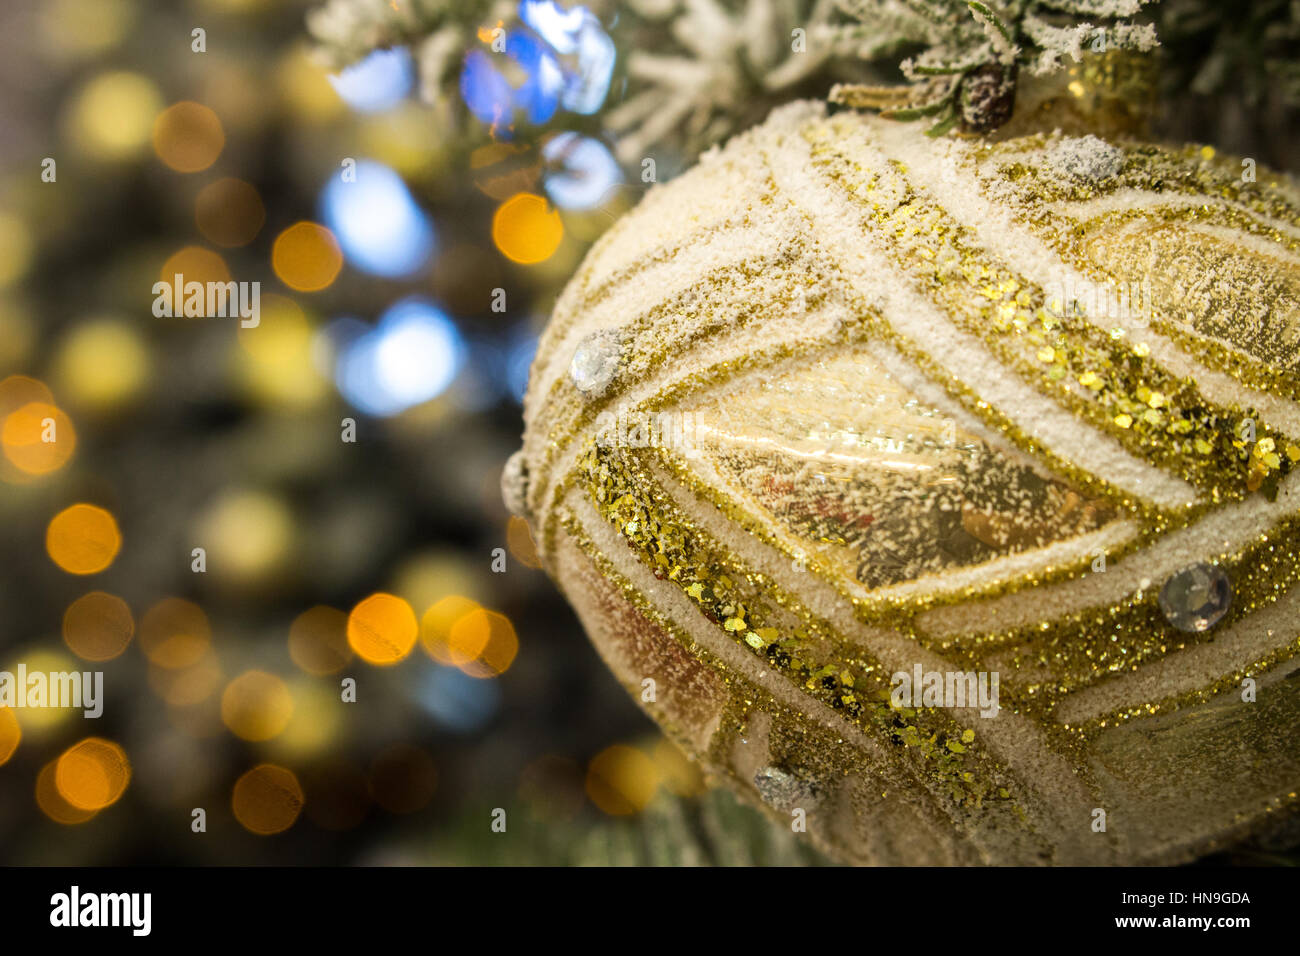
[782, 790]
[595, 362]
[1196, 598]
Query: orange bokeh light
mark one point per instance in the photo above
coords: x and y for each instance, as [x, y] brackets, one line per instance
[98, 626]
[188, 137]
[526, 229]
[92, 774]
[307, 257]
[382, 629]
[82, 539]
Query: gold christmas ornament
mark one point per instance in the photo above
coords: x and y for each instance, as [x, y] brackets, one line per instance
[941, 494]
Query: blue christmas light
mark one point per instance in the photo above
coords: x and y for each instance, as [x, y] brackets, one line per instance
[377, 222]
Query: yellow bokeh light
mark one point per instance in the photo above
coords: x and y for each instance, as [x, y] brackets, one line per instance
[102, 363]
[306, 257]
[38, 438]
[482, 643]
[424, 577]
[256, 705]
[51, 801]
[188, 137]
[174, 633]
[278, 364]
[268, 799]
[437, 622]
[98, 626]
[315, 722]
[39, 721]
[11, 734]
[194, 264]
[305, 87]
[82, 539]
[680, 775]
[622, 780]
[16, 249]
[382, 629]
[83, 28]
[526, 229]
[229, 212]
[247, 534]
[92, 774]
[111, 118]
[318, 640]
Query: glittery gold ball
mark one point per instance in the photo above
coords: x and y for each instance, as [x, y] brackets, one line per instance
[871, 463]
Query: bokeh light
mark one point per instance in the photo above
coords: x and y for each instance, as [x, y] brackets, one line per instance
[16, 249]
[267, 799]
[98, 626]
[409, 357]
[83, 539]
[307, 257]
[586, 50]
[378, 82]
[458, 702]
[382, 629]
[482, 643]
[437, 622]
[229, 212]
[195, 264]
[519, 539]
[102, 364]
[378, 223]
[52, 803]
[277, 364]
[582, 171]
[622, 780]
[174, 633]
[246, 534]
[529, 86]
[526, 230]
[188, 137]
[11, 734]
[38, 438]
[256, 705]
[92, 774]
[112, 116]
[318, 641]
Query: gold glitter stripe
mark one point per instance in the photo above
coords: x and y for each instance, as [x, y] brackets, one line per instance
[1082, 648]
[1119, 390]
[900, 767]
[846, 679]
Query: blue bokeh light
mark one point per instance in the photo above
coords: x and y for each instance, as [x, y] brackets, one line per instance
[379, 82]
[493, 98]
[583, 172]
[575, 34]
[411, 356]
[378, 223]
[457, 701]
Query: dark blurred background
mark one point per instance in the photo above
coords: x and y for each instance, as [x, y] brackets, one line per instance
[338, 464]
